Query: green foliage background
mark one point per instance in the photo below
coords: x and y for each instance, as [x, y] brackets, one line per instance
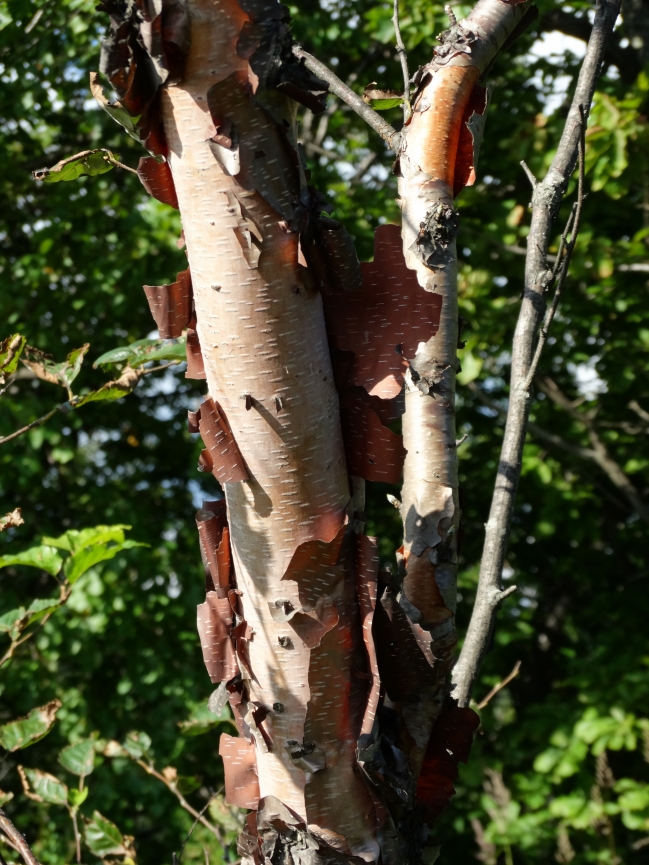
[560, 766]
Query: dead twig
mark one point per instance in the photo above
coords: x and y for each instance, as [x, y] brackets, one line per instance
[340, 89]
[496, 688]
[17, 839]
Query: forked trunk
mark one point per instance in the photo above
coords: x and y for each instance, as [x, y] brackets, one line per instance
[335, 675]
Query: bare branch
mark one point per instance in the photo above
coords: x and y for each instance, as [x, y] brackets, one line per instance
[546, 201]
[403, 58]
[17, 839]
[599, 452]
[564, 255]
[496, 688]
[637, 408]
[340, 89]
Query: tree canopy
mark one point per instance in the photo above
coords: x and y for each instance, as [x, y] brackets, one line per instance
[560, 764]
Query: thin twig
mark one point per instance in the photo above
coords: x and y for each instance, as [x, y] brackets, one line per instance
[119, 164]
[195, 824]
[150, 769]
[340, 89]
[35, 423]
[17, 839]
[530, 176]
[546, 201]
[560, 270]
[67, 406]
[496, 688]
[403, 58]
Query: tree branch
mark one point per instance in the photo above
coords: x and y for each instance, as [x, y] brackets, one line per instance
[496, 688]
[340, 89]
[403, 58]
[599, 453]
[546, 201]
[17, 839]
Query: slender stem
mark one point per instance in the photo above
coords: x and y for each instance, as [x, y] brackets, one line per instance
[35, 423]
[119, 164]
[560, 271]
[546, 201]
[496, 688]
[403, 58]
[66, 406]
[17, 839]
[151, 770]
[195, 823]
[340, 89]
[77, 836]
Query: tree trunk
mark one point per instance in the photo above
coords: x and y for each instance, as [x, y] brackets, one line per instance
[335, 676]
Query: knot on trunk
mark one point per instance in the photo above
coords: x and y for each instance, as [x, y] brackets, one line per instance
[436, 232]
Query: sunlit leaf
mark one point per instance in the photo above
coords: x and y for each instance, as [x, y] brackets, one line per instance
[11, 622]
[25, 731]
[76, 797]
[143, 351]
[45, 557]
[44, 787]
[10, 350]
[137, 743]
[90, 162]
[79, 758]
[86, 558]
[103, 837]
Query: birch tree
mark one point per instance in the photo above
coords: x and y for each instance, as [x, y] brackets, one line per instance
[338, 674]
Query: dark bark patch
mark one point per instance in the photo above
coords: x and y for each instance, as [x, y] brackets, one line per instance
[228, 465]
[390, 310]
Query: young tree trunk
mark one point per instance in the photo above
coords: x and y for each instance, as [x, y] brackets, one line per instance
[437, 159]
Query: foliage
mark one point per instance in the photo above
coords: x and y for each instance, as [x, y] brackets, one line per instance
[121, 653]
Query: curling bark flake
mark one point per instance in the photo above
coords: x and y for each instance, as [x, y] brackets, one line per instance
[335, 672]
[437, 159]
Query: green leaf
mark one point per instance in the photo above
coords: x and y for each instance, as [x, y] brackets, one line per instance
[90, 162]
[77, 539]
[76, 798]
[5, 797]
[45, 557]
[104, 838]
[111, 390]
[45, 787]
[85, 559]
[137, 743]
[385, 104]
[114, 109]
[9, 622]
[10, 351]
[79, 758]
[143, 351]
[41, 607]
[381, 100]
[25, 731]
